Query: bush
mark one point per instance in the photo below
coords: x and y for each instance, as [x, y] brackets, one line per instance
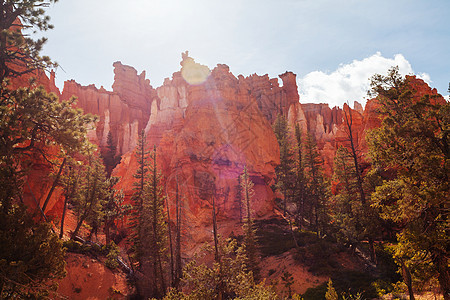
[111, 257]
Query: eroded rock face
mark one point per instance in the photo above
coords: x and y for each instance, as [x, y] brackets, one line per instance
[123, 112]
[272, 99]
[205, 135]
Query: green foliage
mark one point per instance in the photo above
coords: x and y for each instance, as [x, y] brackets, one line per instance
[114, 208]
[272, 238]
[331, 293]
[149, 230]
[111, 256]
[347, 284]
[354, 218]
[249, 242]
[300, 186]
[413, 143]
[109, 251]
[91, 195]
[31, 256]
[109, 155]
[229, 277]
[31, 14]
[316, 185]
[288, 280]
[31, 123]
[31, 118]
[285, 170]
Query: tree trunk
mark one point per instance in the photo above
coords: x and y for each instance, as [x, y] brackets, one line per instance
[216, 241]
[62, 218]
[407, 279]
[172, 272]
[75, 232]
[107, 231]
[441, 263]
[54, 185]
[373, 255]
[178, 271]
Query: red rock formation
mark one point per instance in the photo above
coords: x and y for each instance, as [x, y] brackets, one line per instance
[206, 134]
[271, 98]
[123, 112]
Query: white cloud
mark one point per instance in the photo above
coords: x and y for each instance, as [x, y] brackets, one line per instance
[350, 82]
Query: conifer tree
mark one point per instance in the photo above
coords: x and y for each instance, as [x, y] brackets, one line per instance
[114, 209]
[413, 144]
[284, 171]
[91, 197]
[69, 183]
[316, 185]
[31, 120]
[300, 192]
[30, 255]
[149, 235]
[347, 209]
[250, 246]
[110, 158]
[356, 220]
[230, 277]
[154, 243]
[178, 218]
[19, 54]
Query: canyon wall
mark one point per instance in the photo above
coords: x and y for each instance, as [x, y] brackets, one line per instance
[208, 125]
[124, 112]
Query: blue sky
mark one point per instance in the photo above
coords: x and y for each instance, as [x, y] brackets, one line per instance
[332, 45]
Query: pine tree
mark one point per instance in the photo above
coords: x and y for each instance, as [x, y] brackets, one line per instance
[155, 242]
[300, 192]
[32, 121]
[413, 145]
[230, 276]
[250, 242]
[69, 183]
[149, 235]
[356, 220]
[284, 171]
[91, 197]
[316, 186]
[178, 217]
[331, 293]
[19, 54]
[347, 209]
[31, 256]
[110, 158]
[114, 208]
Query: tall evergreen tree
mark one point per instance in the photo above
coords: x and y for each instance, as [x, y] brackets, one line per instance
[114, 208]
[69, 183]
[250, 243]
[284, 171]
[228, 279]
[154, 243]
[19, 54]
[109, 155]
[300, 191]
[30, 255]
[149, 235]
[178, 227]
[31, 120]
[413, 144]
[316, 186]
[92, 195]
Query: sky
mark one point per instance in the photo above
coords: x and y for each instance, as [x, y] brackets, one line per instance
[334, 46]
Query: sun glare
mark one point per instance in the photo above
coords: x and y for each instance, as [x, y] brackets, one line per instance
[194, 73]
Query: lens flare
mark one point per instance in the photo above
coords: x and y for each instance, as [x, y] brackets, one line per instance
[194, 73]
